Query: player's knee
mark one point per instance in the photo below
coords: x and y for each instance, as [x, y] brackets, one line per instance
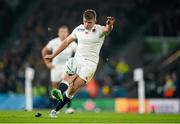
[70, 78]
[69, 95]
[72, 89]
[71, 92]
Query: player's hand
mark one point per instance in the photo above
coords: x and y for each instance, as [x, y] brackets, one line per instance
[110, 20]
[48, 57]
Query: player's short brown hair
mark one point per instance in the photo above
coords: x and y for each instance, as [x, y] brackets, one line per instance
[89, 14]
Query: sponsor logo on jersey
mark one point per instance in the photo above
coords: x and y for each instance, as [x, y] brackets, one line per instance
[80, 29]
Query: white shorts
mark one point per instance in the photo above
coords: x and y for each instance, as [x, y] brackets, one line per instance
[86, 68]
[57, 74]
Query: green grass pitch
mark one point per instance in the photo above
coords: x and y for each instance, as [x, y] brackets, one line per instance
[86, 117]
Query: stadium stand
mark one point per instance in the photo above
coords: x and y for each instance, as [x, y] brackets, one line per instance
[134, 21]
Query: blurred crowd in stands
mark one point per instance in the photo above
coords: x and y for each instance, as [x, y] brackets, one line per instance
[42, 24]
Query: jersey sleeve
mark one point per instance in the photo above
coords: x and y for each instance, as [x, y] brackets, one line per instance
[49, 46]
[74, 33]
[101, 28]
[101, 33]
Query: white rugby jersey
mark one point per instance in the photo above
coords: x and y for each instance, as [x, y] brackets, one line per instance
[89, 42]
[61, 58]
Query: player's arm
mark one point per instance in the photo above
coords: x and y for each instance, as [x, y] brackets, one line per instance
[61, 47]
[109, 25]
[45, 51]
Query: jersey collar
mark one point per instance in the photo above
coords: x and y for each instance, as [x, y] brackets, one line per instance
[93, 29]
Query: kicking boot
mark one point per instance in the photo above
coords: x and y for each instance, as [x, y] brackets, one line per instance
[56, 94]
[53, 114]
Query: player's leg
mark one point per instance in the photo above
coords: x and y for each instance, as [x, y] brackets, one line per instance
[85, 73]
[69, 105]
[63, 87]
[67, 81]
[69, 109]
[54, 85]
[64, 84]
[68, 95]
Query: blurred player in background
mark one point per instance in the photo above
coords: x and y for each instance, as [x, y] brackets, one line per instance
[57, 64]
[90, 37]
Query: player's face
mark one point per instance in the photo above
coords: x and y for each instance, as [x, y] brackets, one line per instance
[88, 23]
[63, 33]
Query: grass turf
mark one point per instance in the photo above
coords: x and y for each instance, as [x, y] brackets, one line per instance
[86, 117]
